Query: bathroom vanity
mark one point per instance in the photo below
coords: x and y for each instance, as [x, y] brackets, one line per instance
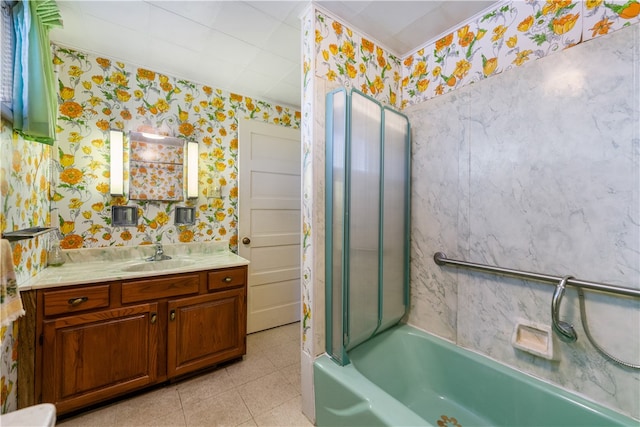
[126, 330]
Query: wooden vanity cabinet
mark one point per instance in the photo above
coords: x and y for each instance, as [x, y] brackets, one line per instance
[205, 330]
[103, 340]
[96, 355]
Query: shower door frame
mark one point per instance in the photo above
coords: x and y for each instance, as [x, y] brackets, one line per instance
[338, 216]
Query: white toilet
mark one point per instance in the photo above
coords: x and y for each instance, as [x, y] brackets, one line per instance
[43, 415]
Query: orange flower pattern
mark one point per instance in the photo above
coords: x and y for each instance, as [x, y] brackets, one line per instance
[345, 57]
[24, 188]
[310, 51]
[493, 42]
[516, 32]
[24, 196]
[604, 17]
[446, 421]
[98, 94]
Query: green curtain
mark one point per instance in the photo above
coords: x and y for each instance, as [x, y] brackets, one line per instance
[35, 105]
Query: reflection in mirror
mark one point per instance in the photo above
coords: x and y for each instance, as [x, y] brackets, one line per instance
[156, 167]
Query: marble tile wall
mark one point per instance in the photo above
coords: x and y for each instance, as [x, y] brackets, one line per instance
[536, 169]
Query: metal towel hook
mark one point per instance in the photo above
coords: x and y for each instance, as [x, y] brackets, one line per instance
[565, 330]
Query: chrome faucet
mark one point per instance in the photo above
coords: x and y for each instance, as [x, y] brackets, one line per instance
[159, 255]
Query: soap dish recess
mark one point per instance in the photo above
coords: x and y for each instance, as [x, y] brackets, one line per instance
[534, 338]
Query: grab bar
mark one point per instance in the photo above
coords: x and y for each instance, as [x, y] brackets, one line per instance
[441, 259]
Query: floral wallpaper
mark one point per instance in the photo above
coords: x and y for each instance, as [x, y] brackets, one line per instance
[97, 94]
[603, 17]
[345, 56]
[508, 37]
[24, 188]
[307, 179]
[8, 368]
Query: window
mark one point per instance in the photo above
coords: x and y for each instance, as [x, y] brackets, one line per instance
[6, 60]
[35, 101]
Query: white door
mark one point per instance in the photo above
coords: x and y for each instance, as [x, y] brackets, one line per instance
[269, 221]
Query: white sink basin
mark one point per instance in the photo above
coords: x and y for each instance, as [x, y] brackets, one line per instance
[158, 265]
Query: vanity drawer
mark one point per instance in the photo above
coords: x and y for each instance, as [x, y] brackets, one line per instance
[162, 287]
[76, 299]
[227, 278]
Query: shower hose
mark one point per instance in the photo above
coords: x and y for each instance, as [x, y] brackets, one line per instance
[583, 318]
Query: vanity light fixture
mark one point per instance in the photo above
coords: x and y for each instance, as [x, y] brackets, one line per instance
[116, 147]
[192, 170]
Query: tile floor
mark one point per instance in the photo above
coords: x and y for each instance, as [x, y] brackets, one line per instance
[263, 389]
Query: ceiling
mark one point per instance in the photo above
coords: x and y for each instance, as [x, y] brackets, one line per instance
[247, 47]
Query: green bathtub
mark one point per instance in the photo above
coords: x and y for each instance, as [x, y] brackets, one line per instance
[406, 377]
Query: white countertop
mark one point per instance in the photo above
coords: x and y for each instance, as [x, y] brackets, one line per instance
[84, 266]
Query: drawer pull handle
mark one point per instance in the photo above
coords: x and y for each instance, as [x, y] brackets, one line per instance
[172, 315]
[227, 279]
[154, 317]
[74, 302]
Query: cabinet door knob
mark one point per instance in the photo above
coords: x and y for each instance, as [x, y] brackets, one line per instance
[227, 279]
[246, 240]
[154, 317]
[74, 302]
[172, 315]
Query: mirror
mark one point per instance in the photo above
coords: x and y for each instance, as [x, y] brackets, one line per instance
[156, 167]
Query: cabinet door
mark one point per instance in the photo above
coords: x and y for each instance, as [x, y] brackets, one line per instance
[94, 356]
[205, 330]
